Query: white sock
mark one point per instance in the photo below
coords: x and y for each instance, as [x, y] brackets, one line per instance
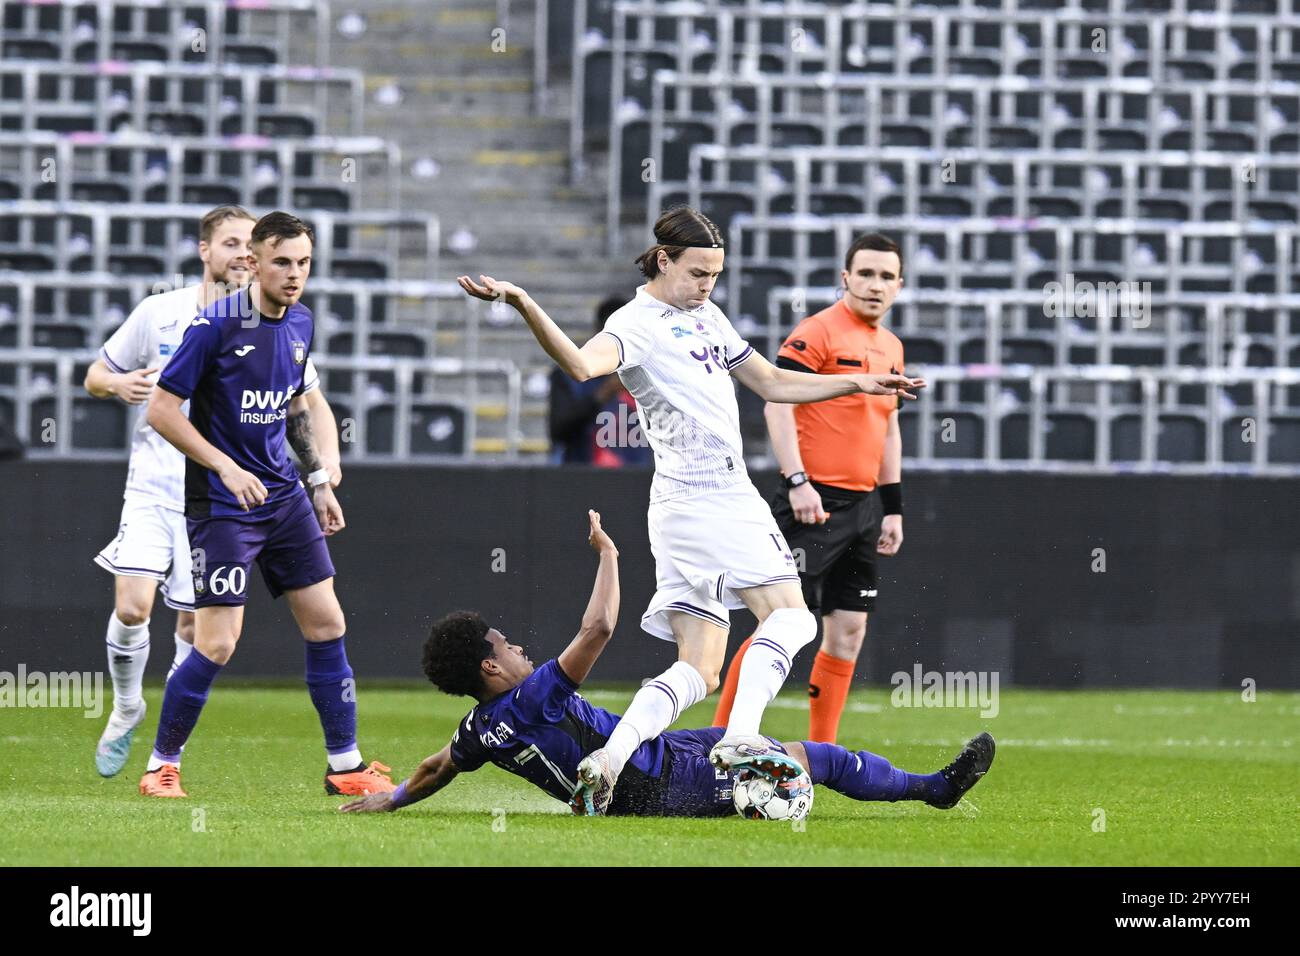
[182, 651]
[345, 761]
[655, 706]
[128, 652]
[766, 665]
[156, 764]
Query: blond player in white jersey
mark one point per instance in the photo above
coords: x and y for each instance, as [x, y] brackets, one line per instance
[715, 543]
[152, 546]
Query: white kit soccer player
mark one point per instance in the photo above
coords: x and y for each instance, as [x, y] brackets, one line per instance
[715, 543]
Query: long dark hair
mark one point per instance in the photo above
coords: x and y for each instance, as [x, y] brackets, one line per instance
[675, 231]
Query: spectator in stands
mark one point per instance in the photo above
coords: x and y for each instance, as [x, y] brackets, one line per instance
[595, 422]
[832, 456]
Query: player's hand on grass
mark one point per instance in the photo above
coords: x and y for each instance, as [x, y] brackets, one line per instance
[806, 504]
[328, 510]
[133, 387]
[889, 384]
[245, 486]
[891, 535]
[596, 537]
[372, 803]
[492, 290]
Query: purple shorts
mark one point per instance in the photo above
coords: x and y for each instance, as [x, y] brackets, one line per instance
[287, 544]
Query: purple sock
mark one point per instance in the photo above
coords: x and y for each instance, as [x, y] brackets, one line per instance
[333, 691]
[183, 700]
[867, 776]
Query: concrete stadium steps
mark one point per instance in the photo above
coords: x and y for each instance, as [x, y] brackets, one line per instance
[501, 176]
[501, 168]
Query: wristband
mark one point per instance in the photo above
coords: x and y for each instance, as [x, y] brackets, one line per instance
[320, 476]
[891, 498]
[797, 479]
[399, 798]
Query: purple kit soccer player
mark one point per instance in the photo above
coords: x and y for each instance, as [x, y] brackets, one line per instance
[534, 724]
[241, 366]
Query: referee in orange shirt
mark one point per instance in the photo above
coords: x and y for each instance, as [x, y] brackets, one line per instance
[833, 455]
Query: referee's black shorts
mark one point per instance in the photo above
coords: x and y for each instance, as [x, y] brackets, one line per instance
[838, 570]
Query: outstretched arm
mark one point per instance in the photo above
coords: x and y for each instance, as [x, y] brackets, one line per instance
[598, 357]
[432, 775]
[797, 388]
[601, 615]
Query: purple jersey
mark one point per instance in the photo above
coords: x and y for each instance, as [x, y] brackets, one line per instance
[239, 370]
[543, 728]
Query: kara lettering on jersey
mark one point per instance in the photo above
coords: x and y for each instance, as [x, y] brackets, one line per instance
[498, 737]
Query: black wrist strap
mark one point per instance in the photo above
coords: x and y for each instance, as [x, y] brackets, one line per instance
[891, 498]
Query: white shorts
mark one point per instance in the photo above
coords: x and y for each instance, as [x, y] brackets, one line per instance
[152, 542]
[708, 546]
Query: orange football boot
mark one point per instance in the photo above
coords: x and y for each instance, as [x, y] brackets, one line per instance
[163, 782]
[359, 783]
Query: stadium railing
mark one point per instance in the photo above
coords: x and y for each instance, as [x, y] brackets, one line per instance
[149, 167]
[53, 417]
[1172, 256]
[234, 31]
[160, 239]
[1020, 327]
[198, 99]
[1136, 403]
[909, 181]
[1087, 418]
[82, 309]
[975, 43]
[876, 114]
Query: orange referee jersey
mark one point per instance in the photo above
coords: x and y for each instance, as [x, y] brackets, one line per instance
[842, 440]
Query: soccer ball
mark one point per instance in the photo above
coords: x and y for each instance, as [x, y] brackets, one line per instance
[758, 798]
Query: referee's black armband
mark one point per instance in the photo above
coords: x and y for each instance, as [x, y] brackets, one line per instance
[891, 498]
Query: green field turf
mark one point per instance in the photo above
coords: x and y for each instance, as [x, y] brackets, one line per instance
[1183, 778]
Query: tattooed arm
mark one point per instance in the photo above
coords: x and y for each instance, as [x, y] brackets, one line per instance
[326, 432]
[301, 435]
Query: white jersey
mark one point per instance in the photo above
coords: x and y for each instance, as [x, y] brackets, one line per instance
[147, 339]
[677, 365]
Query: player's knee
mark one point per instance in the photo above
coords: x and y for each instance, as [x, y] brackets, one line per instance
[219, 650]
[712, 679]
[185, 628]
[326, 629]
[843, 646]
[132, 611]
[793, 627]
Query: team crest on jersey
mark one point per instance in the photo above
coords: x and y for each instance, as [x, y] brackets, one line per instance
[299, 352]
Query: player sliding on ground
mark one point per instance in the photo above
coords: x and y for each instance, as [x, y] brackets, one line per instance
[534, 724]
[715, 543]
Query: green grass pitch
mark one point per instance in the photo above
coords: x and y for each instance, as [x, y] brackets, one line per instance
[1083, 777]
